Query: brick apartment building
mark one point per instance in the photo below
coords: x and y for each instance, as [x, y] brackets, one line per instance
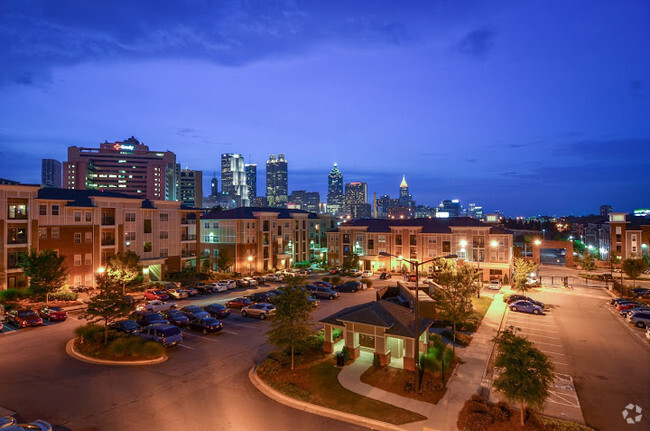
[486, 246]
[630, 236]
[88, 227]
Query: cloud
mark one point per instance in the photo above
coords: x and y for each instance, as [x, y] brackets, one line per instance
[628, 151]
[477, 43]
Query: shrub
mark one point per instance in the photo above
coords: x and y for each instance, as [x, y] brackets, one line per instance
[280, 357]
[294, 391]
[63, 294]
[367, 282]
[149, 348]
[470, 325]
[461, 339]
[313, 343]
[449, 357]
[13, 294]
[376, 361]
[337, 333]
[346, 353]
[478, 414]
[430, 361]
[327, 279]
[336, 280]
[120, 346]
[90, 333]
[269, 367]
[435, 340]
[506, 280]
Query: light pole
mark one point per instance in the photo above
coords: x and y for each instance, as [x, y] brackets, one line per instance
[250, 261]
[101, 270]
[416, 307]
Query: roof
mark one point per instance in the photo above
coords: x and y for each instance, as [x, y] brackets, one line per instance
[396, 319]
[247, 213]
[403, 184]
[433, 225]
[82, 198]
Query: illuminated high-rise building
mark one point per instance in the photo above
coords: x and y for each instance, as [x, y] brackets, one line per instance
[277, 181]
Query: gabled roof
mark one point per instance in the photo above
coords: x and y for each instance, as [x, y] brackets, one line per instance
[247, 213]
[396, 319]
[433, 225]
[82, 198]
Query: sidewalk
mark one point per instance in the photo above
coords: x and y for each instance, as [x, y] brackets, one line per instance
[465, 382]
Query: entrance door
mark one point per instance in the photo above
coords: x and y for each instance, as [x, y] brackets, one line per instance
[366, 265]
[367, 341]
[396, 346]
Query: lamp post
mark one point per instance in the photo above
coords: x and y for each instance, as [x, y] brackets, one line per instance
[101, 270]
[416, 307]
[250, 261]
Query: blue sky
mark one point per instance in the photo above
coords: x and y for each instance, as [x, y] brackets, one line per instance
[526, 107]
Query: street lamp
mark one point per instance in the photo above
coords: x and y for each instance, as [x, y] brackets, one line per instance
[101, 270]
[250, 260]
[416, 307]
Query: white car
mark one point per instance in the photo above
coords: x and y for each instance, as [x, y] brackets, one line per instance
[251, 281]
[218, 287]
[178, 293]
[366, 274]
[357, 273]
[495, 284]
[156, 306]
[273, 277]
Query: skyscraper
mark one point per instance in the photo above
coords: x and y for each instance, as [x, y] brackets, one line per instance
[605, 210]
[123, 166]
[251, 180]
[214, 186]
[356, 200]
[233, 178]
[51, 173]
[191, 187]
[405, 199]
[335, 200]
[277, 183]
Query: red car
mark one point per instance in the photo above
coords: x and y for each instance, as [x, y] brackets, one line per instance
[334, 271]
[155, 294]
[53, 313]
[24, 318]
[238, 303]
[628, 305]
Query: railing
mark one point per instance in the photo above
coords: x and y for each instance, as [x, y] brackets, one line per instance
[18, 239]
[188, 237]
[108, 241]
[188, 253]
[108, 221]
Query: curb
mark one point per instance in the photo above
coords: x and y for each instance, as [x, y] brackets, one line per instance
[317, 410]
[486, 386]
[609, 292]
[69, 349]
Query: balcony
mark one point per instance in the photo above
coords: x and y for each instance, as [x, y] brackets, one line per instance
[188, 253]
[108, 241]
[188, 237]
[108, 221]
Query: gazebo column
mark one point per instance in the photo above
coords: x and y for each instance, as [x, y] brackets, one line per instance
[328, 342]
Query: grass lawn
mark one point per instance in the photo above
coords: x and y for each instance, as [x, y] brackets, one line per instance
[481, 306]
[318, 384]
[401, 382]
[137, 351]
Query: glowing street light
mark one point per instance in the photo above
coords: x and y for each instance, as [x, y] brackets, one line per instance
[537, 242]
[250, 260]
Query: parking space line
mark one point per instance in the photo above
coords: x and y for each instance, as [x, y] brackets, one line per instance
[545, 336]
[187, 347]
[241, 324]
[200, 336]
[229, 332]
[550, 344]
[537, 323]
[552, 353]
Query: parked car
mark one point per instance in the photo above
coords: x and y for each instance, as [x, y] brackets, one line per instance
[156, 306]
[273, 277]
[155, 294]
[238, 302]
[260, 297]
[411, 277]
[495, 284]
[127, 326]
[526, 307]
[250, 280]
[261, 280]
[640, 318]
[638, 290]
[323, 284]
[218, 287]
[324, 292]
[367, 274]
[205, 324]
[175, 317]
[80, 289]
[347, 287]
[629, 311]
[628, 305]
[615, 301]
[217, 310]
[385, 276]
[313, 301]
[167, 335]
[203, 289]
[334, 270]
[37, 425]
[191, 291]
[53, 313]
[514, 298]
[194, 312]
[24, 318]
[146, 318]
[231, 284]
[261, 310]
[5, 421]
[398, 300]
[177, 293]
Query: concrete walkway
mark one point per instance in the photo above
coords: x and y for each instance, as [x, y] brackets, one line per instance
[465, 382]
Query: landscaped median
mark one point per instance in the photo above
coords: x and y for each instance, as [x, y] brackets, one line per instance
[314, 386]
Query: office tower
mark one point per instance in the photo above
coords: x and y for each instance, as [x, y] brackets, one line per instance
[251, 179]
[475, 211]
[335, 197]
[304, 200]
[405, 199]
[451, 207]
[356, 193]
[51, 173]
[191, 187]
[123, 166]
[277, 184]
[233, 178]
[605, 210]
[214, 186]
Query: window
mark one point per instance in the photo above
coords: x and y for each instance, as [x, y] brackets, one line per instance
[42, 209]
[17, 210]
[346, 238]
[215, 252]
[42, 233]
[164, 234]
[432, 240]
[164, 217]
[77, 237]
[77, 260]
[164, 252]
[398, 239]
[130, 236]
[147, 246]
[55, 210]
[89, 216]
[130, 217]
[88, 260]
[55, 233]
[77, 280]
[446, 246]
[88, 237]
[77, 216]
[371, 244]
[207, 225]
[88, 279]
[147, 226]
[215, 225]
[381, 238]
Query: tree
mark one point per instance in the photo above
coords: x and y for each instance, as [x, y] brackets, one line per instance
[522, 270]
[453, 298]
[588, 262]
[108, 306]
[292, 324]
[527, 372]
[350, 261]
[223, 260]
[205, 265]
[123, 268]
[633, 268]
[46, 271]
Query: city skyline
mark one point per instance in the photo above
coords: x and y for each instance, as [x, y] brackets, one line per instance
[476, 102]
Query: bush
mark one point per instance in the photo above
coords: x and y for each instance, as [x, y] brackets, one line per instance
[506, 280]
[326, 279]
[336, 280]
[346, 353]
[90, 333]
[435, 341]
[470, 325]
[294, 391]
[63, 294]
[449, 357]
[337, 333]
[367, 282]
[461, 339]
[269, 367]
[280, 357]
[376, 362]
[149, 348]
[477, 414]
[313, 343]
[13, 294]
[431, 361]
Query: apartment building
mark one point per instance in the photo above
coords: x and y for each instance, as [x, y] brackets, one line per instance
[486, 246]
[630, 236]
[262, 239]
[88, 227]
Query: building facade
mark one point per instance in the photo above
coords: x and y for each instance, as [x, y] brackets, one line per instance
[277, 181]
[304, 200]
[191, 188]
[630, 236]
[477, 243]
[87, 227]
[335, 196]
[251, 180]
[233, 178]
[125, 167]
[51, 173]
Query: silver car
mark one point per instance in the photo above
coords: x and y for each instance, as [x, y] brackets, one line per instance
[640, 318]
[261, 310]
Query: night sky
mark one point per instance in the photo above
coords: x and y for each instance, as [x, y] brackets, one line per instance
[527, 107]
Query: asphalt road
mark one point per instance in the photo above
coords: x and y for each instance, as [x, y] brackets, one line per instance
[204, 384]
